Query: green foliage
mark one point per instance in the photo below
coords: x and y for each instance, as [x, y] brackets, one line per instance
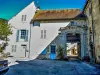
[60, 52]
[5, 31]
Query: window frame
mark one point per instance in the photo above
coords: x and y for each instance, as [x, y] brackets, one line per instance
[23, 18]
[23, 34]
[43, 34]
[36, 23]
[13, 48]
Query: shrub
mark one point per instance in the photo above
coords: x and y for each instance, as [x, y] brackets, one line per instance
[60, 52]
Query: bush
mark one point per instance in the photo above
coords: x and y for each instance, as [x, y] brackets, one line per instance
[60, 52]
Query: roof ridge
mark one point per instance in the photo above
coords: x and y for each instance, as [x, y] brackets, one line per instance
[60, 9]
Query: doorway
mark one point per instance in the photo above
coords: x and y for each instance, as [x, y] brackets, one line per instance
[52, 51]
[73, 48]
[23, 50]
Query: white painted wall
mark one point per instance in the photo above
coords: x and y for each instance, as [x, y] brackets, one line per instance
[38, 44]
[17, 24]
[70, 45]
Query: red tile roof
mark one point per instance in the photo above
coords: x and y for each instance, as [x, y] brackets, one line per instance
[58, 14]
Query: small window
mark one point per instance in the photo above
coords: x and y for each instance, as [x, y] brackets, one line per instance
[36, 23]
[23, 34]
[13, 48]
[43, 34]
[23, 17]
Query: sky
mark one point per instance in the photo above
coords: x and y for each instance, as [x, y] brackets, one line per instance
[9, 8]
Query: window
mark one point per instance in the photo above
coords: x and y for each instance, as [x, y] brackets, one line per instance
[23, 17]
[17, 36]
[23, 34]
[36, 23]
[13, 48]
[43, 34]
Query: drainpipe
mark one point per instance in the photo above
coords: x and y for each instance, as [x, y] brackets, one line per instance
[93, 31]
[29, 42]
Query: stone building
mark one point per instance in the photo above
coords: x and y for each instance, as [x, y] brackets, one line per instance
[62, 27]
[92, 11]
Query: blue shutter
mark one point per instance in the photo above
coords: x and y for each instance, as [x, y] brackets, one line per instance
[26, 38]
[44, 51]
[17, 36]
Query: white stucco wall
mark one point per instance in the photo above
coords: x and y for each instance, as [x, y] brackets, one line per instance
[38, 44]
[17, 24]
[70, 45]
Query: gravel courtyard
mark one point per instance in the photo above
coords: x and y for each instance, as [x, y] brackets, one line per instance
[52, 67]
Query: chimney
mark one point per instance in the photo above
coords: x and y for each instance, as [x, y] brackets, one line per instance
[37, 9]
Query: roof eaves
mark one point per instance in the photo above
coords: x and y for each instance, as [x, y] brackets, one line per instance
[57, 19]
[86, 3]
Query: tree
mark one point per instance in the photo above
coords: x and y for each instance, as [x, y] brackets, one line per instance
[5, 31]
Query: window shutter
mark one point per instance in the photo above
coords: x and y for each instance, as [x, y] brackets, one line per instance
[17, 36]
[41, 33]
[44, 33]
[26, 38]
[24, 17]
[44, 51]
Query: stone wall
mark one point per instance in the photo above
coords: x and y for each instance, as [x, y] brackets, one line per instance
[96, 21]
[93, 13]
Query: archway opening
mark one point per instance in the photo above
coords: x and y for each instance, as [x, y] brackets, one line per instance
[73, 48]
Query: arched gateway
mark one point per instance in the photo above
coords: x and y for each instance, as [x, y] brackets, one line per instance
[75, 35]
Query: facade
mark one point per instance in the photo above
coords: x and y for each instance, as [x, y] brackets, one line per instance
[38, 33]
[54, 27]
[92, 11]
[19, 40]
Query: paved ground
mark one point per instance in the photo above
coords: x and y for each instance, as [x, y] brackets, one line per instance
[51, 67]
